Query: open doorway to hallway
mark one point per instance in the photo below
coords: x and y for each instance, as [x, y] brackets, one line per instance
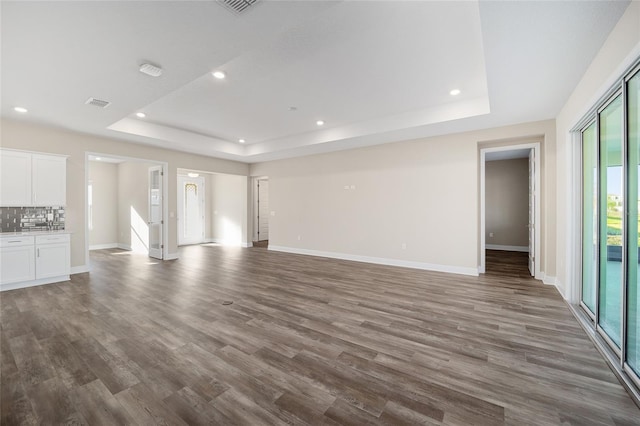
[510, 210]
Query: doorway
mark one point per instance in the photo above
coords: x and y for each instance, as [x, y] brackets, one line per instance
[191, 209]
[510, 209]
[261, 212]
[123, 215]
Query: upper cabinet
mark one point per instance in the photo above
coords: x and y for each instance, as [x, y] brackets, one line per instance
[49, 180]
[31, 179]
[15, 175]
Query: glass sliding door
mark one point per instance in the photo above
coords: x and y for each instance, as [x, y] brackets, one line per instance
[612, 220]
[633, 295]
[589, 216]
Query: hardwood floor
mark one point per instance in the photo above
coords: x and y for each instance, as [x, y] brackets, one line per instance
[306, 341]
[507, 264]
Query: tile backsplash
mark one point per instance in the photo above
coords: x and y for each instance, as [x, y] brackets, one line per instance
[25, 219]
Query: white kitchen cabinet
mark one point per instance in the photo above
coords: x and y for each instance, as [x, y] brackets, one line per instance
[49, 180]
[17, 260]
[28, 260]
[32, 179]
[15, 178]
[52, 256]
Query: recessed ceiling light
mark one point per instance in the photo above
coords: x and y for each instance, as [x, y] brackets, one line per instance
[20, 109]
[454, 92]
[320, 123]
[193, 175]
[241, 140]
[141, 114]
[219, 75]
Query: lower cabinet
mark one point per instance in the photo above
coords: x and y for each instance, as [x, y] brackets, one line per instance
[17, 260]
[52, 256]
[33, 260]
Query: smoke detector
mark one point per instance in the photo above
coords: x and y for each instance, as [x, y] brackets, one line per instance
[152, 70]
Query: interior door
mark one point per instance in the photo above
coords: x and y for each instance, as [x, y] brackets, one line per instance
[263, 210]
[155, 212]
[190, 210]
[532, 213]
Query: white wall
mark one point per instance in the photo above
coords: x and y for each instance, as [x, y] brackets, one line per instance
[104, 178]
[133, 206]
[32, 137]
[228, 207]
[620, 49]
[507, 202]
[422, 193]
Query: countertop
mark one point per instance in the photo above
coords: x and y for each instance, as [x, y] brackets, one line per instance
[32, 233]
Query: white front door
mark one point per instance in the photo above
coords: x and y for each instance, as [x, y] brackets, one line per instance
[532, 213]
[190, 210]
[263, 210]
[155, 212]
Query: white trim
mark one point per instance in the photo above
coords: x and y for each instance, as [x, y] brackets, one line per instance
[126, 247]
[24, 284]
[379, 260]
[103, 246]
[524, 249]
[79, 269]
[171, 256]
[538, 191]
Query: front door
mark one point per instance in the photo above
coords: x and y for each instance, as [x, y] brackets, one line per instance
[190, 210]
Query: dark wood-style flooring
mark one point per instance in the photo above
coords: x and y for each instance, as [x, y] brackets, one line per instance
[307, 340]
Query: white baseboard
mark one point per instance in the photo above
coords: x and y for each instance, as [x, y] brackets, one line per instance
[524, 249]
[379, 260]
[227, 243]
[124, 246]
[79, 269]
[42, 281]
[103, 246]
[171, 256]
[549, 280]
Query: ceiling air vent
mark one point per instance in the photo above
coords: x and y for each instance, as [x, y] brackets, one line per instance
[237, 6]
[97, 102]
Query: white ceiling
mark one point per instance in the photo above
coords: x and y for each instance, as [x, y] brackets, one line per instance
[375, 72]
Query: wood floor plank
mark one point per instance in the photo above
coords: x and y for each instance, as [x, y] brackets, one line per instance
[307, 340]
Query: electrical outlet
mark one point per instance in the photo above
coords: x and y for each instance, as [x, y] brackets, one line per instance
[299, 237]
[404, 246]
[490, 234]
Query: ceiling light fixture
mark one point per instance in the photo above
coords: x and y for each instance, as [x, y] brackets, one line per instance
[151, 70]
[141, 114]
[20, 110]
[193, 175]
[219, 75]
[320, 123]
[454, 92]
[241, 140]
[98, 158]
